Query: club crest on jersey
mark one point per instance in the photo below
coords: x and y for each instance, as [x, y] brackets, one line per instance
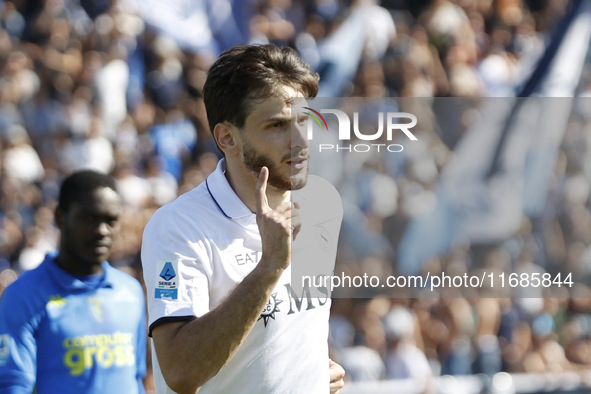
[270, 309]
[167, 280]
[323, 238]
[94, 304]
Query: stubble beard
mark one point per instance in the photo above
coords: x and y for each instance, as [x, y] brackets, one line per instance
[255, 161]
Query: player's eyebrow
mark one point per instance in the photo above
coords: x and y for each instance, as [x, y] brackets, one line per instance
[277, 118]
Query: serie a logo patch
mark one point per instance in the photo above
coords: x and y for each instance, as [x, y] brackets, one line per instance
[167, 280]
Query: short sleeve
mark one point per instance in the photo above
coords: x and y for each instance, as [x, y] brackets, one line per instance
[176, 268]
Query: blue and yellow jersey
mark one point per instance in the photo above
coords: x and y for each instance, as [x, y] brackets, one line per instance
[62, 334]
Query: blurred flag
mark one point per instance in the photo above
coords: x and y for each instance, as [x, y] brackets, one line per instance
[207, 27]
[368, 30]
[337, 66]
[502, 165]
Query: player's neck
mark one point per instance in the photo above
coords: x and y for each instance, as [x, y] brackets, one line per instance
[73, 264]
[244, 182]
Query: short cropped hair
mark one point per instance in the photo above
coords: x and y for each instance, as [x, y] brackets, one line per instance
[249, 72]
[81, 182]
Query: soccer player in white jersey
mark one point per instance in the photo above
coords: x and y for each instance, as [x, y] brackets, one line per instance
[224, 314]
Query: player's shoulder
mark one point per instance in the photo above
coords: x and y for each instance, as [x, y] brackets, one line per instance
[30, 288]
[122, 282]
[186, 208]
[120, 277]
[198, 198]
[319, 186]
[37, 278]
[321, 197]
[321, 191]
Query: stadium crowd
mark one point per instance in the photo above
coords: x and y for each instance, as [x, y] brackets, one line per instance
[115, 86]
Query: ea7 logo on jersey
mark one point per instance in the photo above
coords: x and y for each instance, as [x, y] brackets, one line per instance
[248, 257]
[167, 280]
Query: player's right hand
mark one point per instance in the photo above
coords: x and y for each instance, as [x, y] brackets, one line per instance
[276, 226]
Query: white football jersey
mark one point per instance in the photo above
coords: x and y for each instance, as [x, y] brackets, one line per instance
[197, 248]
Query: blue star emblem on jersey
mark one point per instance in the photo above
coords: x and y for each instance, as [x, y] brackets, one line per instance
[167, 272]
[270, 309]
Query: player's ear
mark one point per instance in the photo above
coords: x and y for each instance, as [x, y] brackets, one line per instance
[59, 216]
[225, 135]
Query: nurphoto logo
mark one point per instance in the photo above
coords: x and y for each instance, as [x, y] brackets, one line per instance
[388, 123]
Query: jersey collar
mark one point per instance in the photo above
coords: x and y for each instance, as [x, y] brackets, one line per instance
[223, 195]
[68, 281]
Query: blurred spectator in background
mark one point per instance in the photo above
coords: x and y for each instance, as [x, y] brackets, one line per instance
[404, 360]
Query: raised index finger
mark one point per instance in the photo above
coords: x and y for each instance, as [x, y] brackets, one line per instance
[262, 204]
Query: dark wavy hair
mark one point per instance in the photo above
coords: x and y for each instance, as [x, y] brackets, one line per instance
[249, 72]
